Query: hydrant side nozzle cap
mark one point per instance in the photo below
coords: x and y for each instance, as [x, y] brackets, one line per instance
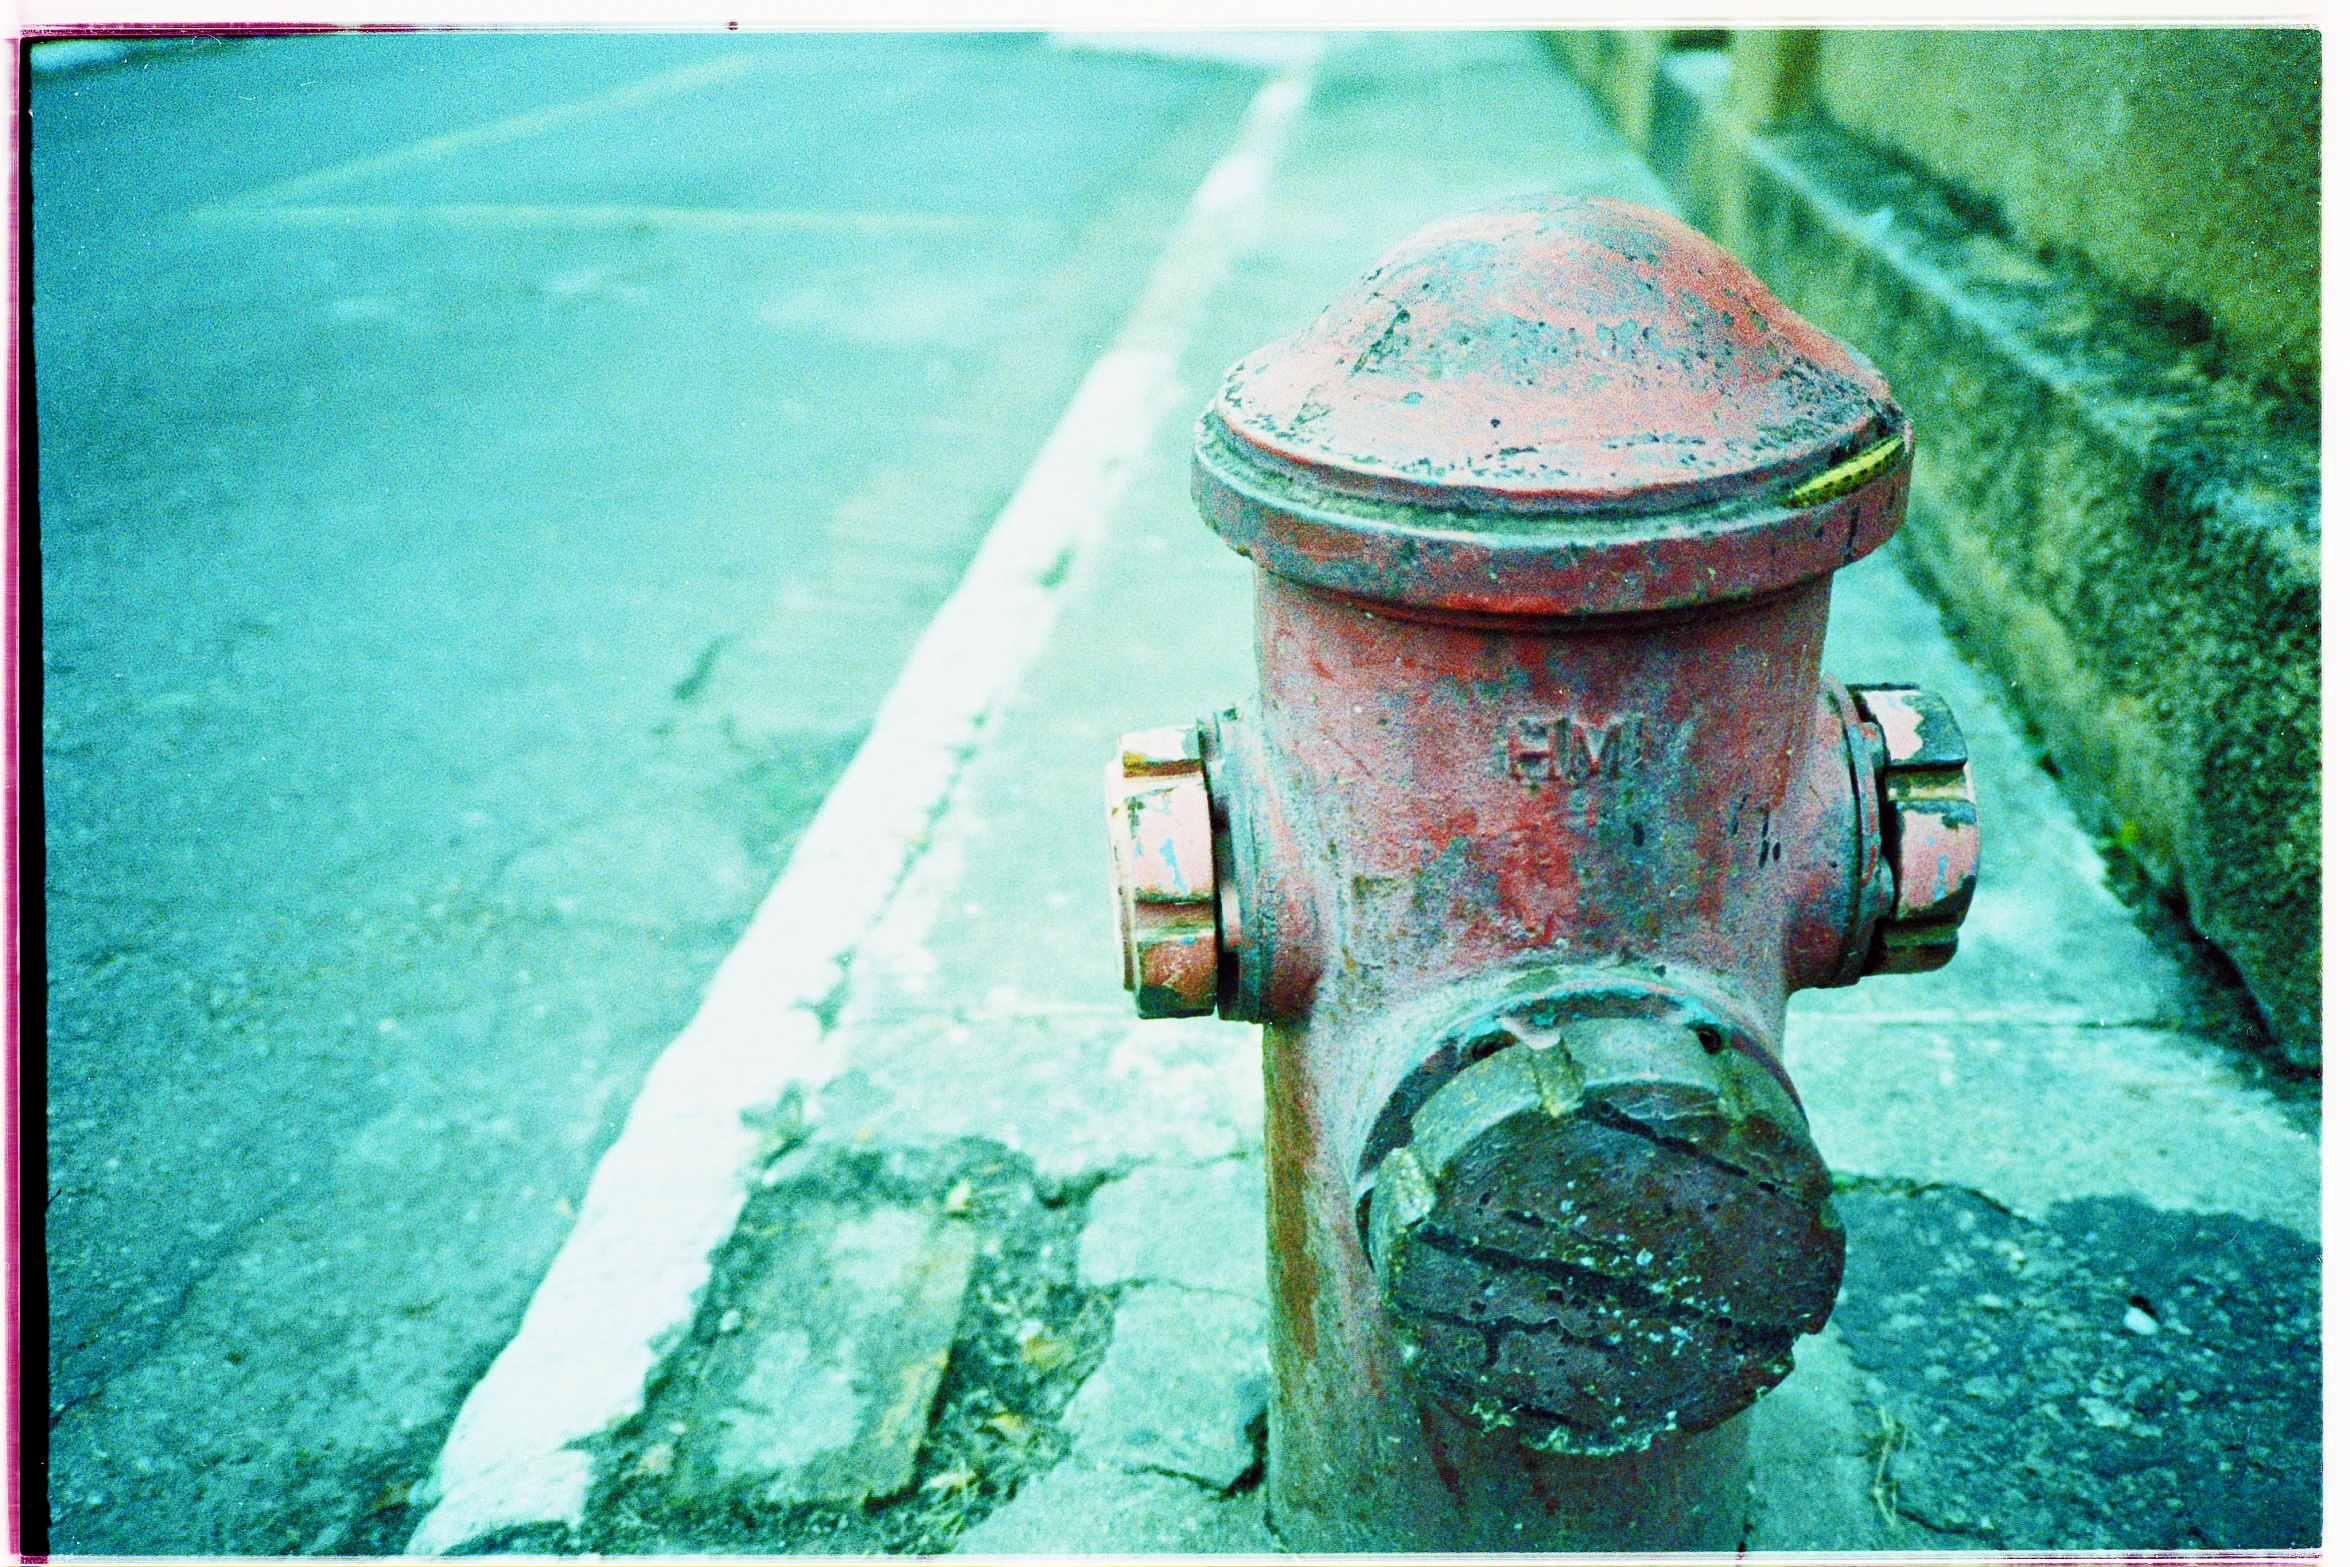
[1162, 867]
[1551, 394]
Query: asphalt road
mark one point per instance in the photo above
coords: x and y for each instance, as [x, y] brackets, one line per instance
[485, 485]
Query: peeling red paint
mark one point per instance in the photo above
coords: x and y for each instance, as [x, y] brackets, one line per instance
[1540, 812]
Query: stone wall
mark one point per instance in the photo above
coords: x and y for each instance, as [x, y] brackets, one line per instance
[2181, 163]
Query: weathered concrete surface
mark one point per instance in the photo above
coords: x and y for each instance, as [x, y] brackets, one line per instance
[1196, 1226]
[1819, 1453]
[1099, 1510]
[1182, 1390]
[839, 1349]
[2180, 162]
[885, 1349]
[2127, 535]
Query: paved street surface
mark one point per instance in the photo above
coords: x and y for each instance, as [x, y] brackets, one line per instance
[455, 606]
[487, 483]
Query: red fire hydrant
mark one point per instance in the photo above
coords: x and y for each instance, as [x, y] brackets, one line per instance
[1541, 812]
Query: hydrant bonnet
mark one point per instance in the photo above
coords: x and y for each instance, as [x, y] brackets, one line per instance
[1564, 405]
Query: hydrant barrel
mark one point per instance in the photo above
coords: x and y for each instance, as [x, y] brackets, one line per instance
[1541, 810]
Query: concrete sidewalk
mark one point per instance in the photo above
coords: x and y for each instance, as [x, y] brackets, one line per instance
[999, 1284]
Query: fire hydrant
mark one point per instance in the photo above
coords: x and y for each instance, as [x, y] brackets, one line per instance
[1540, 813]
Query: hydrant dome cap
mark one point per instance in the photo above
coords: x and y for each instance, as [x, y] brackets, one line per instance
[1555, 353]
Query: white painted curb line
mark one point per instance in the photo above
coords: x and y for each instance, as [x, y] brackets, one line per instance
[667, 1194]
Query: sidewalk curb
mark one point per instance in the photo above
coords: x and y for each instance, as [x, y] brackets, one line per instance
[668, 1192]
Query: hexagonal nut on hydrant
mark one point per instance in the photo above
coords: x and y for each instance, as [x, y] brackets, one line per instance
[1163, 871]
[1926, 811]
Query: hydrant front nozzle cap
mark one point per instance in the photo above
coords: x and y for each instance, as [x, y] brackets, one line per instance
[1604, 1231]
[1546, 378]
